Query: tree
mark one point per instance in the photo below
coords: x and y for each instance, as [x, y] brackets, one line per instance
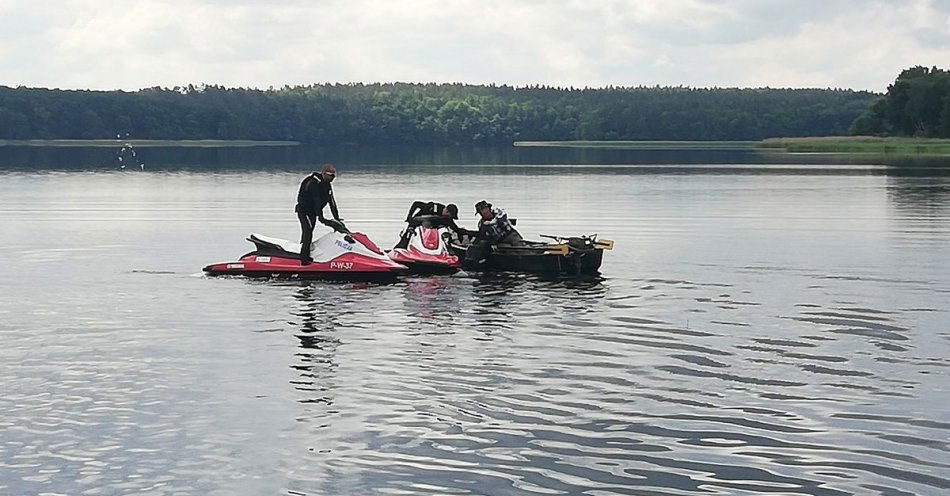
[914, 105]
[405, 113]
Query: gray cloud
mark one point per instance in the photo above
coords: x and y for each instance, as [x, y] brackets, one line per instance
[133, 44]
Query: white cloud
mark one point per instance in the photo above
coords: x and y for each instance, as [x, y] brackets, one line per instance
[134, 44]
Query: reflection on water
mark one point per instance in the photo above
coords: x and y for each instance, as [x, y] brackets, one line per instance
[920, 195]
[424, 158]
[505, 384]
[318, 344]
[754, 332]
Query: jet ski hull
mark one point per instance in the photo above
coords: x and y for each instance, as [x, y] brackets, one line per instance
[417, 266]
[255, 265]
[426, 253]
[356, 259]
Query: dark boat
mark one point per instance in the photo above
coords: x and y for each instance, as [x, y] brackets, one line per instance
[573, 255]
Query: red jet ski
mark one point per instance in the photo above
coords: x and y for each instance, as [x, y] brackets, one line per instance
[427, 252]
[336, 256]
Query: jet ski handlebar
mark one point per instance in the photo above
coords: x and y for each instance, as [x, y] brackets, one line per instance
[337, 226]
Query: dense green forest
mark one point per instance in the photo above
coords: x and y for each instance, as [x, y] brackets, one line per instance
[917, 104]
[405, 113]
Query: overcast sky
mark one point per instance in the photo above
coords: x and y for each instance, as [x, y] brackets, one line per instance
[106, 44]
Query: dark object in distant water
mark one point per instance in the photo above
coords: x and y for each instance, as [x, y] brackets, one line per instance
[127, 157]
[574, 255]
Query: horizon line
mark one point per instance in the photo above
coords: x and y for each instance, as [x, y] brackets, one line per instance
[184, 89]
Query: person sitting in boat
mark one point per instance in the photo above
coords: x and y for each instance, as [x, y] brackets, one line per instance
[431, 214]
[494, 228]
[314, 195]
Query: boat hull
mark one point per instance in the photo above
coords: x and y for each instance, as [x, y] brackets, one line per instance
[537, 258]
[571, 264]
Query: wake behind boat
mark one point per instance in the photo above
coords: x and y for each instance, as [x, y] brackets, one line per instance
[336, 256]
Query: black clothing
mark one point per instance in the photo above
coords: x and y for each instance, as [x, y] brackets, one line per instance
[476, 253]
[424, 208]
[499, 229]
[495, 231]
[306, 235]
[434, 221]
[481, 248]
[314, 195]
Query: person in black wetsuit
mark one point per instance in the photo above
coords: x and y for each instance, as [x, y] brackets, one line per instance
[314, 195]
[432, 208]
[431, 214]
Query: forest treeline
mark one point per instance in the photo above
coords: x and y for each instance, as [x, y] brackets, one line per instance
[917, 104]
[404, 113]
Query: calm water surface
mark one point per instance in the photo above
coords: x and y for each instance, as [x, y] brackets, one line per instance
[762, 327]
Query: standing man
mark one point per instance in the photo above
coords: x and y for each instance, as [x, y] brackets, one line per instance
[314, 195]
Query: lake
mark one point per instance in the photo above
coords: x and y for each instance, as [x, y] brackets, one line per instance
[766, 324]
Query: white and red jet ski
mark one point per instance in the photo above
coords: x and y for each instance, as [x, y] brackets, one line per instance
[336, 256]
[426, 252]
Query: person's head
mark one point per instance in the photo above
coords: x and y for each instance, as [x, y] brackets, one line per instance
[483, 208]
[327, 173]
[450, 211]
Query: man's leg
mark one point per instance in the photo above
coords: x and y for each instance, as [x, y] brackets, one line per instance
[477, 253]
[306, 236]
[411, 225]
[513, 238]
[404, 238]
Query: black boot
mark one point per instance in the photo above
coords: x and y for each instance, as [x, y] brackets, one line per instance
[404, 239]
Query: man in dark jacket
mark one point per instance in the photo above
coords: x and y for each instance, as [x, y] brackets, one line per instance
[430, 214]
[314, 195]
[432, 208]
[494, 228]
[494, 225]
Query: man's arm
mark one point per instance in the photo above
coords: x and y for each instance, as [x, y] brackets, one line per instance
[416, 205]
[450, 223]
[333, 209]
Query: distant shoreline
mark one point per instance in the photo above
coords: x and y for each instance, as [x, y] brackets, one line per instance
[818, 144]
[641, 145]
[870, 145]
[860, 145]
[145, 143]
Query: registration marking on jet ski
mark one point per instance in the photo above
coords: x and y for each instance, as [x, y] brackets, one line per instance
[341, 265]
[345, 246]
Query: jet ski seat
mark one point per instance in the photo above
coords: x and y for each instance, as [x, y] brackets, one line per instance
[267, 245]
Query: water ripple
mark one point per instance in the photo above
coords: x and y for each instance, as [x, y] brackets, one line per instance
[751, 339]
